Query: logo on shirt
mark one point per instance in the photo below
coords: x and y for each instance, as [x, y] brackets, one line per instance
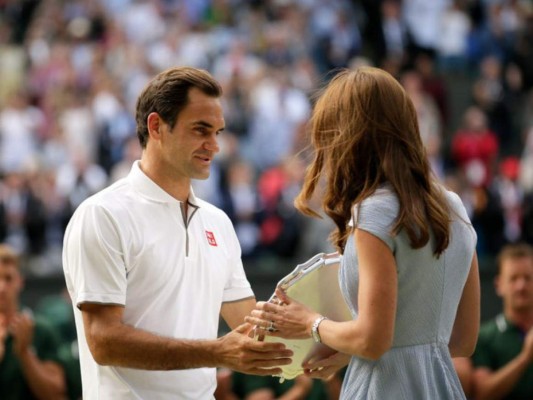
[211, 238]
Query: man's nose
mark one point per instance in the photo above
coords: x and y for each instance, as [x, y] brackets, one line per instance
[521, 283]
[212, 144]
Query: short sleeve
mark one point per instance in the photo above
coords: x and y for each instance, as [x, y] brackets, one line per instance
[377, 215]
[460, 211]
[237, 286]
[93, 258]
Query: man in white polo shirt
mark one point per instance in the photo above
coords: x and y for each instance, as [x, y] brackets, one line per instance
[150, 267]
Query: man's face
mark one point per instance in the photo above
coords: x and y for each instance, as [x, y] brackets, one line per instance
[190, 147]
[10, 286]
[515, 283]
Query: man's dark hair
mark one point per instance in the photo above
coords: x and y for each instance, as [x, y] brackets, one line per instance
[168, 93]
[513, 252]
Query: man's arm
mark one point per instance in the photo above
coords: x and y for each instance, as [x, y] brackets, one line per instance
[112, 342]
[234, 312]
[46, 379]
[492, 385]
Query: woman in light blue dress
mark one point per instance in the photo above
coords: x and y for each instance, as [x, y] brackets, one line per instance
[409, 270]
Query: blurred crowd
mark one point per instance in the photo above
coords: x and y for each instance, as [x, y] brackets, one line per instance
[70, 71]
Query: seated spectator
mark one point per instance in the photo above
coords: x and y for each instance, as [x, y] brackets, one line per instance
[475, 144]
[503, 357]
[29, 367]
[57, 310]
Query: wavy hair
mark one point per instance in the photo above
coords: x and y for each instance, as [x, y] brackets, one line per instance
[364, 133]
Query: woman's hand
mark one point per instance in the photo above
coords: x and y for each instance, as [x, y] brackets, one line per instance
[325, 363]
[287, 319]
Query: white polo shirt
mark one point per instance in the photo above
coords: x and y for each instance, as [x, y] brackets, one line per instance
[129, 245]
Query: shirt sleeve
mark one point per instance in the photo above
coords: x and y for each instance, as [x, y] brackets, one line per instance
[237, 286]
[376, 215]
[94, 258]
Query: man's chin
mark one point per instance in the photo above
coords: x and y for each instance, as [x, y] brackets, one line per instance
[202, 176]
[523, 305]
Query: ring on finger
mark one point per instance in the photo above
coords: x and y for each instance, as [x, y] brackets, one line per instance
[271, 327]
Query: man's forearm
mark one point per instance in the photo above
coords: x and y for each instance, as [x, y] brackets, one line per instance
[125, 346]
[46, 379]
[499, 383]
[112, 342]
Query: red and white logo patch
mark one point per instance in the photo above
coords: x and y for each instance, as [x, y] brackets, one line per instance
[211, 238]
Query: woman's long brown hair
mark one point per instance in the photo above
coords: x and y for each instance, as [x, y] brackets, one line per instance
[364, 132]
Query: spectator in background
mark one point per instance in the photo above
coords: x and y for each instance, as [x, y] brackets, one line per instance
[29, 362]
[433, 83]
[23, 216]
[423, 21]
[20, 125]
[429, 118]
[131, 152]
[241, 204]
[57, 310]
[504, 354]
[453, 40]
[475, 146]
[488, 93]
[279, 115]
[79, 179]
[280, 223]
[393, 30]
[526, 183]
[523, 54]
[511, 195]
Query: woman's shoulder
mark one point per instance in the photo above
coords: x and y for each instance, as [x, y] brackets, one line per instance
[381, 205]
[455, 203]
[383, 199]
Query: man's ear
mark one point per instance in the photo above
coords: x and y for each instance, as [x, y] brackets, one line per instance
[154, 124]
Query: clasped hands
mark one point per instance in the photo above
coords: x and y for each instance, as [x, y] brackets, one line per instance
[287, 318]
[284, 318]
[21, 328]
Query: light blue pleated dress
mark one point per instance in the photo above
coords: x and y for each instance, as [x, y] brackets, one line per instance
[418, 366]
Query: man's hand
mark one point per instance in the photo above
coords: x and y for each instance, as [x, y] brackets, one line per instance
[241, 353]
[288, 318]
[21, 327]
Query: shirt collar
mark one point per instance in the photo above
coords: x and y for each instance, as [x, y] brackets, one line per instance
[151, 190]
[503, 324]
